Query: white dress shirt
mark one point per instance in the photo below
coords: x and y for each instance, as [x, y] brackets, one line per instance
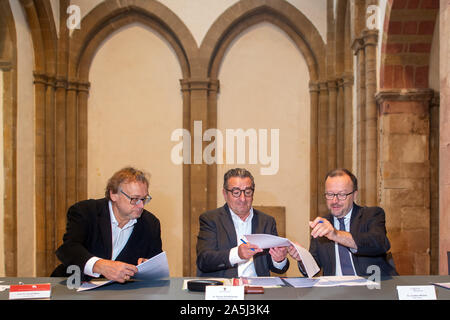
[120, 238]
[246, 268]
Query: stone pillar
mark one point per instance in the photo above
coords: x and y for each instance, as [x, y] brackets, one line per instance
[358, 50]
[322, 139]
[348, 120]
[198, 93]
[444, 139]
[71, 142]
[370, 44]
[340, 124]
[82, 139]
[332, 132]
[404, 188]
[40, 82]
[314, 107]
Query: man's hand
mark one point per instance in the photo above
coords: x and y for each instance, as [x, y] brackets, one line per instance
[248, 250]
[115, 270]
[278, 253]
[322, 228]
[293, 252]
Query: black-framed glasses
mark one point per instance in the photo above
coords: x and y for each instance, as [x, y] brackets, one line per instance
[136, 201]
[236, 192]
[340, 196]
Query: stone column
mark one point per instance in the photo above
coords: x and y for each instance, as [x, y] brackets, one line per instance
[357, 47]
[198, 93]
[348, 120]
[444, 139]
[71, 142]
[322, 137]
[405, 176]
[314, 107]
[40, 82]
[82, 139]
[340, 124]
[370, 45]
[332, 116]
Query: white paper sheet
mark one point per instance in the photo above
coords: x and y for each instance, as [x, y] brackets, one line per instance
[347, 281]
[266, 282]
[301, 282]
[154, 268]
[265, 241]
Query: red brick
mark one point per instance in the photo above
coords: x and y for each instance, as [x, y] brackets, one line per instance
[413, 4]
[420, 47]
[421, 77]
[394, 48]
[409, 76]
[388, 76]
[398, 81]
[399, 4]
[430, 4]
[395, 27]
[410, 27]
[426, 27]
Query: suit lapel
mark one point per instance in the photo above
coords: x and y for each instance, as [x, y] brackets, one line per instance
[105, 229]
[227, 222]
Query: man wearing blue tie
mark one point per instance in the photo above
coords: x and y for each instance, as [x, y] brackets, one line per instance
[350, 238]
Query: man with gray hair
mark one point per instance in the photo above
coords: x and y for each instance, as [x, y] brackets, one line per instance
[222, 250]
[110, 236]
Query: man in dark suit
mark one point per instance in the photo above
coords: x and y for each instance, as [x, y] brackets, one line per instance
[350, 238]
[222, 250]
[110, 236]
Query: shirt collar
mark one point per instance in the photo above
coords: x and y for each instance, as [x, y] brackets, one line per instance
[235, 217]
[114, 220]
[348, 216]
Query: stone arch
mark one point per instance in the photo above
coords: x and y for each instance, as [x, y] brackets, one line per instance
[8, 68]
[245, 14]
[111, 15]
[96, 26]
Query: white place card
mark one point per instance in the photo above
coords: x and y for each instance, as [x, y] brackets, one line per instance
[416, 293]
[224, 293]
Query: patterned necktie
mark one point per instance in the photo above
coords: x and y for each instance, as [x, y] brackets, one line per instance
[344, 254]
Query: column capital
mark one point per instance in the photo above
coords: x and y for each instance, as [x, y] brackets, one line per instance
[357, 45]
[416, 101]
[199, 84]
[5, 65]
[370, 37]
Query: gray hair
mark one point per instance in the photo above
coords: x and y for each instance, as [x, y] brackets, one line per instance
[237, 172]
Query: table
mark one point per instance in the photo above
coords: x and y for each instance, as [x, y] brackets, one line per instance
[171, 289]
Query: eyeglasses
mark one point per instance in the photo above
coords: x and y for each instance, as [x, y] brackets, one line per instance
[340, 196]
[136, 201]
[236, 192]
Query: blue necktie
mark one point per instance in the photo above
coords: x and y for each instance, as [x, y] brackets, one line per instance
[344, 254]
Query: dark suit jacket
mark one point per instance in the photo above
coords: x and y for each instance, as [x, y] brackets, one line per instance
[367, 227]
[217, 237]
[88, 234]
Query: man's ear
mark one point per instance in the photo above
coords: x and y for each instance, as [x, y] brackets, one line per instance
[113, 196]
